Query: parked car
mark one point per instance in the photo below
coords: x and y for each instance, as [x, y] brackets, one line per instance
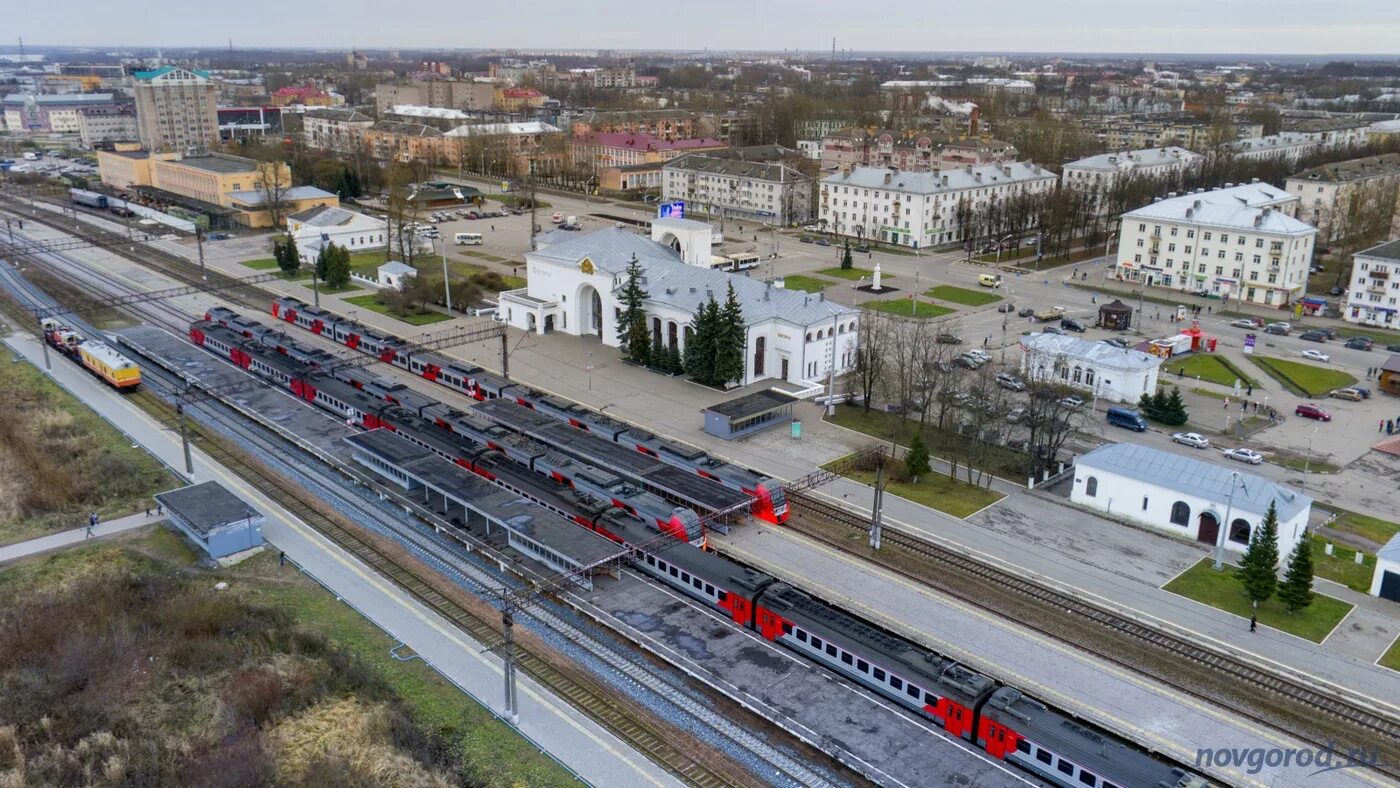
[968, 361]
[1193, 439]
[1360, 343]
[806, 239]
[1336, 291]
[823, 242]
[1006, 307]
[1129, 419]
[979, 354]
[1051, 330]
[1330, 333]
[1246, 322]
[1072, 401]
[1070, 324]
[1016, 414]
[1310, 411]
[1009, 381]
[1313, 336]
[1316, 355]
[862, 248]
[948, 339]
[1026, 312]
[1244, 455]
[1347, 394]
[1363, 391]
[1279, 328]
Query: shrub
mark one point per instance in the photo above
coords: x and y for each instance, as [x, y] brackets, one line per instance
[253, 694]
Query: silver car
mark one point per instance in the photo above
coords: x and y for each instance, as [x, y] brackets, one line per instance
[1192, 439]
[1244, 455]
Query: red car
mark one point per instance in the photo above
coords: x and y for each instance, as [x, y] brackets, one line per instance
[1310, 411]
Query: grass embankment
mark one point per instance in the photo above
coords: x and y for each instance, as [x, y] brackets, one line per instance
[1004, 462]
[852, 274]
[154, 676]
[962, 295]
[302, 274]
[1341, 566]
[936, 491]
[1208, 367]
[807, 284]
[905, 307]
[1305, 380]
[1221, 590]
[1372, 529]
[1391, 658]
[59, 460]
[417, 317]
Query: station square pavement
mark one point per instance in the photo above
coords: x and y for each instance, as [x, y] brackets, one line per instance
[584, 370]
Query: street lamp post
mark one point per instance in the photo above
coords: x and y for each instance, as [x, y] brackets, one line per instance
[446, 285]
[1307, 459]
[1220, 532]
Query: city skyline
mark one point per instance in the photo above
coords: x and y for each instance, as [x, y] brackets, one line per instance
[1365, 27]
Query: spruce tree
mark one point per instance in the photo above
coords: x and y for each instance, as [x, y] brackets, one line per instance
[279, 253]
[290, 262]
[916, 459]
[1174, 409]
[1148, 406]
[1296, 591]
[730, 340]
[1159, 404]
[673, 361]
[846, 258]
[337, 265]
[1259, 566]
[632, 324]
[321, 259]
[700, 348]
[657, 355]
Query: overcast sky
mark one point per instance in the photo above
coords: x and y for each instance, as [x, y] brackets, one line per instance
[1129, 26]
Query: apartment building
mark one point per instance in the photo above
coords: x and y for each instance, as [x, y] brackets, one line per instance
[757, 191]
[531, 146]
[1101, 172]
[1119, 133]
[176, 109]
[1239, 242]
[394, 141]
[335, 130]
[919, 209]
[909, 150]
[1288, 146]
[29, 113]
[1374, 287]
[1331, 197]
[476, 93]
[615, 149]
[115, 123]
[1328, 132]
[663, 124]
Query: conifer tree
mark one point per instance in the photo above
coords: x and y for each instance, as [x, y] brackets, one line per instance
[657, 355]
[1259, 566]
[1173, 411]
[700, 347]
[1296, 591]
[846, 258]
[730, 340]
[916, 459]
[632, 323]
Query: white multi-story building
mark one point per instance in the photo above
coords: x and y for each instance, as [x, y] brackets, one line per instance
[335, 130]
[919, 209]
[1374, 288]
[1101, 172]
[1239, 242]
[767, 192]
[1288, 145]
[1333, 197]
[115, 123]
[1103, 370]
[1328, 132]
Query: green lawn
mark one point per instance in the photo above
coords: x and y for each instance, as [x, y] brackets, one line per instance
[367, 261]
[1222, 591]
[937, 491]
[265, 264]
[371, 303]
[1341, 566]
[1208, 367]
[1306, 380]
[903, 307]
[883, 426]
[1025, 257]
[852, 273]
[808, 284]
[963, 295]
[1391, 658]
[1370, 528]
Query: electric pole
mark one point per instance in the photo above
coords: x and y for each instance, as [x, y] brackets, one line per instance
[199, 240]
[879, 501]
[508, 655]
[505, 357]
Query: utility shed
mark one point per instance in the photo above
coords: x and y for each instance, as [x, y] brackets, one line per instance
[214, 518]
[1115, 316]
[749, 414]
[1385, 583]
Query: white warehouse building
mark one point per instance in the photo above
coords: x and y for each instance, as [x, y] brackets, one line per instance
[920, 209]
[1187, 497]
[1240, 242]
[315, 227]
[1105, 371]
[573, 287]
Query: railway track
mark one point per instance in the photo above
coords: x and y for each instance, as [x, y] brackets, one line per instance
[593, 698]
[958, 575]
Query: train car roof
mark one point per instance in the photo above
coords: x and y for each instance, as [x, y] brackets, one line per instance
[1103, 754]
[911, 660]
[106, 354]
[700, 563]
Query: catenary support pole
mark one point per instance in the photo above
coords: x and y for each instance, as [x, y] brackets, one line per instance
[505, 357]
[199, 241]
[185, 439]
[878, 503]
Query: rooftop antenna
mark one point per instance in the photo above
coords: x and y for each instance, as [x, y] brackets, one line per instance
[21, 47]
[833, 48]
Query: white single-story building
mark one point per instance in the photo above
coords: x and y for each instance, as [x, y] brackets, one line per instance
[1385, 583]
[1107, 371]
[393, 273]
[573, 286]
[315, 227]
[1185, 496]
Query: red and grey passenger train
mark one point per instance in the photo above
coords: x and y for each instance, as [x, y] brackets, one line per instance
[770, 500]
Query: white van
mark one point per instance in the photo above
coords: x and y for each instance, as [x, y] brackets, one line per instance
[467, 239]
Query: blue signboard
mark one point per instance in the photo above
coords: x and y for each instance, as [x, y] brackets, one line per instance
[671, 210]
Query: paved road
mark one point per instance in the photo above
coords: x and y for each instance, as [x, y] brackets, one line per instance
[62, 539]
[575, 740]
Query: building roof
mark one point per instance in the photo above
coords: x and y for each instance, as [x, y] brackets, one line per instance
[613, 116]
[338, 114]
[59, 99]
[765, 171]
[948, 179]
[207, 506]
[1353, 169]
[622, 139]
[1191, 476]
[1385, 126]
[221, 163]
[1127, 160]
[423, 111]
[409, 129]
[1092, 351]
[671, 282]
[1249, 206]
[488, 129]
[396, 267]
[147, 76]
[258, 196]
[1390, 551]
[1275, 142]
[1314, 125]
[753, 404]
[1391, 364]
[1390, 250]
[329, 216]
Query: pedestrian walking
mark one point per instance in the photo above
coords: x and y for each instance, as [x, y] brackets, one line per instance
[1256, 407]
[1251, 389]
[1210, 310]
[282, 558]
[160, 509]
[1382, 427]
[1227, 404]
[88, 534]
[148, 510]
[1253, 621]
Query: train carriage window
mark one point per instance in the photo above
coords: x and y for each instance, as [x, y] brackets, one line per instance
[1023, 746]
[699, 586]
[816, 643]
[847, 658]
[787, 628]
[896, 682]
[830, 650]
[1088, 779]
[709, 590]
[685, 577]
[1065, 766]
[651, 559]
[879, 674]
[1107, 784]
[1044, 756]
[674, 571]
[801, 636]
[862, 666]
[930, 698]
[912, 691]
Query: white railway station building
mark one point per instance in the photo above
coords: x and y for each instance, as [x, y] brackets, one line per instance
[574, 285]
